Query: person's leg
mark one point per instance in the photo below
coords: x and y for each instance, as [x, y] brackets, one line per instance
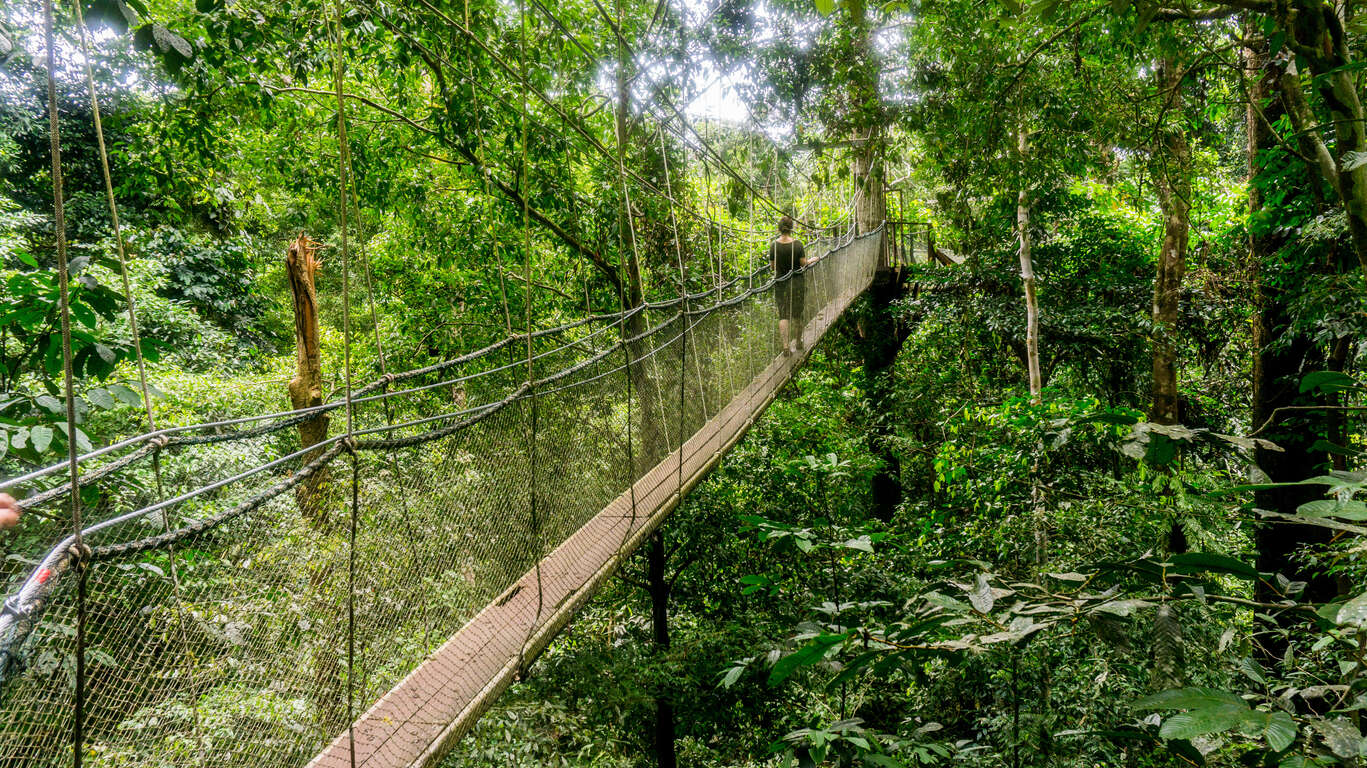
[783, 334]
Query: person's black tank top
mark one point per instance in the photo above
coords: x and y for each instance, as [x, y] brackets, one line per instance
[786, 256]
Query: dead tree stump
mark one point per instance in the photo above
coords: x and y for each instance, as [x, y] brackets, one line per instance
[306, 388]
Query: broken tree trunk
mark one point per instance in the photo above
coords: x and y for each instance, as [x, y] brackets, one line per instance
[306, 391]
[306, 388]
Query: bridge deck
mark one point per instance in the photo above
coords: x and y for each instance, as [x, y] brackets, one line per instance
[421, 718]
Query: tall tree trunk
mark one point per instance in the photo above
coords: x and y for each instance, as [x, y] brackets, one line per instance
[659, 619]
[1172, 178]
[1028, 272]
[1280, 362]
[880, 331]
[870, 202]
[881, 334]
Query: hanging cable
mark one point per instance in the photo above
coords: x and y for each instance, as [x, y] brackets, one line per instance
[343, 166]
[687, 317]
[79, 550]
[525, 185]
[121, 250]
[627, 226]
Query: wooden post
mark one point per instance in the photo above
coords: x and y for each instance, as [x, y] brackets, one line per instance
[306, 388]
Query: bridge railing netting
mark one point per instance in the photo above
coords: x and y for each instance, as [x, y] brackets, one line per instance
[234, 616]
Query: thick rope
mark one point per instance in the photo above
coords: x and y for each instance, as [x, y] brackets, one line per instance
[182, 613]
[68, 376]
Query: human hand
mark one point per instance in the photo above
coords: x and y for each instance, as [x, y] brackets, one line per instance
[9, 511]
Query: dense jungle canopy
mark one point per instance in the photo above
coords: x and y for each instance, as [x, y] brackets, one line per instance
[1077, 488]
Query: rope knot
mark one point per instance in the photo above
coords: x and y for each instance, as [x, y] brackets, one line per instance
[160, 442]
[349, 444]
[80, 554]
[388, 379]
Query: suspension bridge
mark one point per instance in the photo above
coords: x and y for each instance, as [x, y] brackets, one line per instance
[483, 525]
[353, 583]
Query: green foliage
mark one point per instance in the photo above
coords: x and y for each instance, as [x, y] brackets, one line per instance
[216, 278]
[33, 425]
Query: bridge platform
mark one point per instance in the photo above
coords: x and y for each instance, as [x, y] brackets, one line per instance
[421, 718]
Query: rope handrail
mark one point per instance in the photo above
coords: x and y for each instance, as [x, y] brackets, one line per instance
[687, 362]
[294, 417]
[50, 569]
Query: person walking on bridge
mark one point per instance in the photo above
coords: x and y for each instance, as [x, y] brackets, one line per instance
[787, 255]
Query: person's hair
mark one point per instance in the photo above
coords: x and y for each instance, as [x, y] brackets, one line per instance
[785, 225]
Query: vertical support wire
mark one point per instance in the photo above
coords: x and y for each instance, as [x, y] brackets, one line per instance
[183, 614]
[684, 304]
[343, 166]
[80, 553]
[619, 130]
[525, 184]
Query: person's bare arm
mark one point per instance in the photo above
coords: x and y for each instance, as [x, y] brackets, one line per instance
[9, 511]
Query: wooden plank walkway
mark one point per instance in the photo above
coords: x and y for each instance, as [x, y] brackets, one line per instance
[419, 720]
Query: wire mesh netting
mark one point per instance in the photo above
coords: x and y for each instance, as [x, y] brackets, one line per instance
[238, 614]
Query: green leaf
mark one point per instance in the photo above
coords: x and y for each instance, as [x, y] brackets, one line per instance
[1190, 698]
[1280, 731]
[863, 543]
[1353, 612]
[41, 437]
[82, 440]
[1196, 562]
[101, 398]
[1343, 510]
[1340, 735]
[809, 654]
[51, 404]
[1351, 162]
[125, 394]
[824, 7]
[27, 258]
[1122, 607]
[1201, 722]
[1329, 381]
